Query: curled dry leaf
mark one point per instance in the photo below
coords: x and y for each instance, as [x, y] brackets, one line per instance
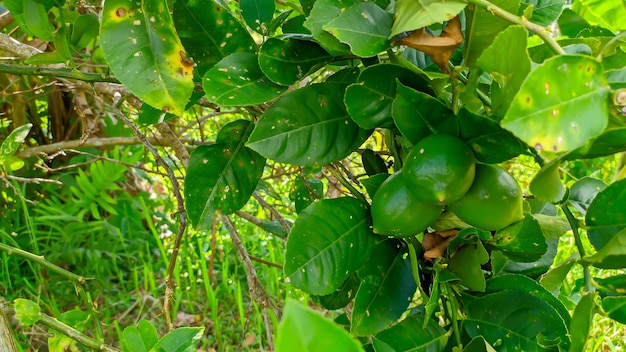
[440, 48]
[435, 243]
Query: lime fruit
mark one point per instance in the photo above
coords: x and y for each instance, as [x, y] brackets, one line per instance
[395, 212]
[493, 202]
[439, 169]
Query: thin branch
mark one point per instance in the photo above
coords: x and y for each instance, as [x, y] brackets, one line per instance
[542, 32]
[13, 46]
[169, 139]
[273, 211]
[573, 223]
[266, 262]
[254, 220]
[34, 180]
[257, 291]
[182, 214]
[21, 70]
[89, 143]
[39, 259]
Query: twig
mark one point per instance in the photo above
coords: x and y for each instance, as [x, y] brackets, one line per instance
[257, 291]
[254, 220]
[169, 139]
[266, 262]
[34, 180]
[573, 223]
[20, 70]
[39, 259]
[542, 32]
[182, 214]
[275, 213]
[89, 143]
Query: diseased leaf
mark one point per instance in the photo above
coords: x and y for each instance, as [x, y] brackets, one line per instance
[238, 80]
[142, 48]
[209, 32]
[221, 176]
[308, 126]
[365, 27]
[329, 241]
[557, 115]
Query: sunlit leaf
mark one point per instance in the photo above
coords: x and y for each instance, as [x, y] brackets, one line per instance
[308, 126]
[411, 15]
[555, 114]
[508, 63]
[581, 322]
[13, 141]
[26, 311]
[323, 12]
[365, 27]
[329, 241]
[608, 13]
[302, 329]
[547, 185]
[182, 339]
[546, 11]
[142, 48]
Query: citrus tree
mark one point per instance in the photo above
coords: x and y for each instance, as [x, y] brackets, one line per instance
[398, 126]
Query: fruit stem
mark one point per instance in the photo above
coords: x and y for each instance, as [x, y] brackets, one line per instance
[573, 223]
[451, 311]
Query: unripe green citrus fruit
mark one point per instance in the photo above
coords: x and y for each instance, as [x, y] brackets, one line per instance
[395, 212]
[493, 202]
[439, 169]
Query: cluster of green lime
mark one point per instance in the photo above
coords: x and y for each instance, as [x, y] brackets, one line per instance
[441, 172]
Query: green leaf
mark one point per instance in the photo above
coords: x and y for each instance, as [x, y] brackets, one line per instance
[478, 344]
[607, 13]
[524, 284]
[547, 185]
[221, 176]
[13, 142]
[344, 295]
[611, 141]
[483, 27]
[238, 80]
[209, 32]
[142, 48]
[508, 326]
[466, 265]
[179, 340]
[555, 114]
[84, 30]
[329, 241]
[581, 322]
[372, 183]
[508, 63]
[612, 285]
[373, 163]
[546, 11]
[36, 19]
[570, 23]
[612, 255]
[323, 12]
[308, 126]
[75, 318]
[554, 278]
[306, 192]
[490, 143]
[387, 288]
[584, 191]
[418, 115]
[26, 311]
[133, 341]
[365, 27]
[409, 335]
[302, 329]
[522, 241]
[411, 15]
[615, 307]
[258, 14]
[291, 57]
[606, 215]
[369, 100]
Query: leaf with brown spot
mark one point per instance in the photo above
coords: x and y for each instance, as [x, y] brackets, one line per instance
[440, 48]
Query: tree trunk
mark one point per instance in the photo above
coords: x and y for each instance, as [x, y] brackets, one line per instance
[7, 342]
